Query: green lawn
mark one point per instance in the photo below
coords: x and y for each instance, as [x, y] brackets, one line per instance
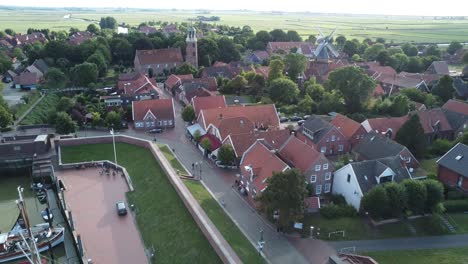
[40, 113]
[172, 159]
[162, 218]
[429, 165]
[21, 108]
[241, 245]
[459, 221]
[425, 256]
[356, 228]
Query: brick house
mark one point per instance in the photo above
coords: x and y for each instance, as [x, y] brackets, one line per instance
[174, 81]
[456, 113]
[132, 87]
[257, 165]
[257, 57]
[26, 80]
[158, 60]
[313, 164]
[39, 67]
[21, 40]
[352, 130]
[210, 102]
[305, 48]
[387, 126]
[377, 146]
[452, 168]
[79, 37]
[241, 142]
[150, 114]
[325, 137]
[435, 125]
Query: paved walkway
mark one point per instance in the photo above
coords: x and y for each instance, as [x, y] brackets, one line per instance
[428, 242]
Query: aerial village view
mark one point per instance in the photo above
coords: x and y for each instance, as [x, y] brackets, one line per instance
[233, 132]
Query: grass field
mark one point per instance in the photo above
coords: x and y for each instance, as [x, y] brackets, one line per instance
[356, 228]
[429, 165]
[426, 256]
[396, 28]
[459, 221]
[172, 159]
[21, 108]
[162, 218]
[39, 114]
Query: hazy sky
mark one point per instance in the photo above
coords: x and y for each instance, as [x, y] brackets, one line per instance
[390, 7]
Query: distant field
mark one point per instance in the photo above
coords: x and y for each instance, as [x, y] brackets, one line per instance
[398, 29]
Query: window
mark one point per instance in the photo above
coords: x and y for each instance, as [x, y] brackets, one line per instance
[170, 122]
[349, 178]
[317, 167]
[328, 139]
[175, 64]
[17, 148]
[165, 122]
[357, 137]
[153, 124]
[193, 45]
[327, 188]
[148, 124]
[318, 189]
[340, 147]
[158, 65]
[323, 149]
[327, 176]
[333, 138]
[408, 160]
[139, 124]
[313, 178]
[166, 65]
[325, 166]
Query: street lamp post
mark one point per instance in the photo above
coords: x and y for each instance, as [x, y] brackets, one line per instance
[261, 242]
[311, 232]
[201, 162]
[113, 142]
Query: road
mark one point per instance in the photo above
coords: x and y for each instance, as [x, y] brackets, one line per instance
[428, 242]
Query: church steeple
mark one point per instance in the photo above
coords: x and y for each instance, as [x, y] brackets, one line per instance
[191, 56]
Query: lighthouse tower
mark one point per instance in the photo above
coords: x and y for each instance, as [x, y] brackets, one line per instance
[191, 56]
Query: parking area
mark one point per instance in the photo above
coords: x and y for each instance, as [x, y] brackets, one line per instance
[106, 236]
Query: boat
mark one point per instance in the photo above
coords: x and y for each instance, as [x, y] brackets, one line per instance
[13, 246]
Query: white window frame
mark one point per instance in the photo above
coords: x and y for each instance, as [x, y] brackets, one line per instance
[340, 147]
[313, 178]
[323, 149]
[333, 138]
[325, 166]
[317, 167]
[408, 160]
[327, 188]
[318, 189]
[328, 176]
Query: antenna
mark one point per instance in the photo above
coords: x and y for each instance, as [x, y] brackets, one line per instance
[35, 258]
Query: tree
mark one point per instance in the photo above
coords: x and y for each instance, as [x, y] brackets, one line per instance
[414, 64]
[380, 40]
[143, 43]
[150, 72]
[433, 50]
[10, 32]
[206, 144]
[113, 119]
[108, 22]
[354, 84]
[226, 155]
[188, 114]
[400, 105]
[18, 53]
[285, 193]
[396, 198]
[409, 49]
[98, 59]
[6, 118]
[340, 40]
[283, 91]
[208, 51]
[351, 47]
[444, 88]
[399, 61]
[92, 28]
[276, 70]
[227, 50]
[411, 135]
[314, 89]
[55, 78]
[84, 74]
[122, 51]
[65, 104]
[383, 58]
[375, 202]
[186, 69]
[196, 135]
[293, 35]
[464, 138]
[235, 85]
[371, 52]
[56, 49]
[435, 194]
[453, 47]
[307, 105]
[417, 195]
[465, 58]
[64, 124]
[295, 64]
[96, 119]
[278, 35]
[312, 38]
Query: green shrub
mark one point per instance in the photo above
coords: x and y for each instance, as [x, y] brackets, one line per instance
[338, 199]
[456, 195]
[453, 206]
[336, 211]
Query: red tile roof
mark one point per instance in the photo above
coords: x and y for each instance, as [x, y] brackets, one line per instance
[209, 83]
[79, 37]
[263, 163]
[214, 141]
[299, 154]
[147, 30]
[261, 115]
[273, 138]
[275, 46]
[30, 38]
[158, 56]
[261, 54]
[160, 108]
[219, 64]
[26, 78]
[209, 102]
[382, 125]
[174, 80]
[378, 91]
[234, 125]
[429, 119]
[456, 106]
[140, 84]
[264, 71]
[346, 125]
[202, 92]
[312, 203]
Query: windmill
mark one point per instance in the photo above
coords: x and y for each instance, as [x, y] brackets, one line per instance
[325, 49]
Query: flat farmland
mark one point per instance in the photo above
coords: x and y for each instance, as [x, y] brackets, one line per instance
[392, 28]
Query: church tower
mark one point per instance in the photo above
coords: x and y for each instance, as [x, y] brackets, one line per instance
[191, 56]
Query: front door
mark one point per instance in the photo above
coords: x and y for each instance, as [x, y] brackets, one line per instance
[460, 181]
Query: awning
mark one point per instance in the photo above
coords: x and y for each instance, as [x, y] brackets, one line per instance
[191, 129]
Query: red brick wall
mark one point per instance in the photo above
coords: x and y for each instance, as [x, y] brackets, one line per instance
[450, 177]
[414, 162]
[333, 144]
[360, 132]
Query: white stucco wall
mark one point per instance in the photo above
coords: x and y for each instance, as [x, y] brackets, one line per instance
[350, 190]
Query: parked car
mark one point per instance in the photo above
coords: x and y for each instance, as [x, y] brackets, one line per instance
[155, 130]
[306, 117]
[300, 122]
[283, 119]
[295, 118]
[121, 208]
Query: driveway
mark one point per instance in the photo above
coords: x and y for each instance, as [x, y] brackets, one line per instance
[107, 237]
[11, 95]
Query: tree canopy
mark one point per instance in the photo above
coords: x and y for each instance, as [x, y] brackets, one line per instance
[188, 114]
[411, 135]
[283, 91]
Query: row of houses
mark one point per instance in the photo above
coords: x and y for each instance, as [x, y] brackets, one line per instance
[30, 77]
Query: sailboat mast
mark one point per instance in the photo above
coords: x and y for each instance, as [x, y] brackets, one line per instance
[33, 248]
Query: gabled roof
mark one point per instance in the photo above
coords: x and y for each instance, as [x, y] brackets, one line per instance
[79, 37]
[264, 71]
[367, 171]
[41, 65]
[138, 84]
[225, 71]
[378, 91]
[456, 106]
[275, 46]
[298, 154]
[346, 125]
[261, 115]
[263, 163]
[376, 146]
[208, 102]
[147, 30]
[384, 124]
[433, 120]
[456, 159]
[235, 125]
[318, 126]
[439, 68]
[261, 54]
[26, 78]
[461, 87]
[160, 108]
[159, 56]
[274, 139]
[208, 83]
[173, 79]
[215, 143]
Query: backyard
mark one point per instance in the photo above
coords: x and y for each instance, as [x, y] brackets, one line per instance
[39, 115]
[424, 256]
[162, 218]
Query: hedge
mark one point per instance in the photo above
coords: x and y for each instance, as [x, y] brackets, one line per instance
[336, 211]
[453, 206]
